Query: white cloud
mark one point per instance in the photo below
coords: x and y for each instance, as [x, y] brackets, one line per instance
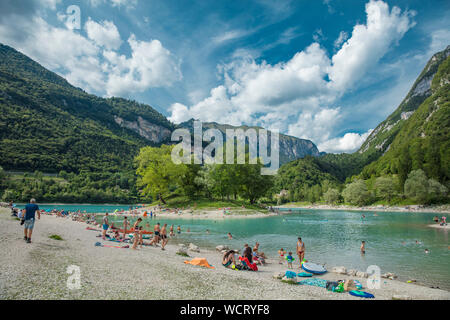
[440, 39]
[295, 96]
[368, 43]
[150, 65]
[350, 142]
[128, 4]
[51, 4]
[103, 34]
[91, 62]
[343, 36]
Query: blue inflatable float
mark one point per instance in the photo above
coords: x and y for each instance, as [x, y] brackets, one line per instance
[313, 268]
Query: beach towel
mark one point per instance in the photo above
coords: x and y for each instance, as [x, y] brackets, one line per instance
[199, 262]
[246, 262]
[314, 282]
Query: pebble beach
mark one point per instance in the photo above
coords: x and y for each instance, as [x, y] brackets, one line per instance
[39, 271]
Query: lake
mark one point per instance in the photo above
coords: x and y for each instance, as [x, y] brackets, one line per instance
[332, 237]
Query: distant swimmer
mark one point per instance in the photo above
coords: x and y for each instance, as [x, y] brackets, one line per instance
[427, 251]
[230, 237]
[178, 229]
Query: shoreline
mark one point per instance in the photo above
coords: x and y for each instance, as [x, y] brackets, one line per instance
[38, 271]
[379, 208]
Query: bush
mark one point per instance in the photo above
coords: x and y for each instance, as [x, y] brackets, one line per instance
[356, 193]
[416, 186]
[331, 196]
[384, 188]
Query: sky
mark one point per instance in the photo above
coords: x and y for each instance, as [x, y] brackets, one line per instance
[324, 70]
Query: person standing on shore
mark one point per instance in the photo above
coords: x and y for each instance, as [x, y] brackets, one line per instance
[164, 236]
[137, 234]
[300, 250]
[105, 225]
[156, 233]
[29, 217]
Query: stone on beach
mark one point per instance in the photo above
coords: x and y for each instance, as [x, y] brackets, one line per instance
[221, 248]
[193, 247]
[389, 275]
[182, 250]
[278, 275]
[361, 274]
[352, 272]
[340, 270]
[401, 297]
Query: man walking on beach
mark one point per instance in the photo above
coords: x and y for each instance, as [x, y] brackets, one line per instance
[28, 219]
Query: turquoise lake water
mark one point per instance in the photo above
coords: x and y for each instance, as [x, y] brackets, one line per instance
[332, 238]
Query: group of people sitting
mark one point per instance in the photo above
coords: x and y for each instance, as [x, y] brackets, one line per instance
[248, 260]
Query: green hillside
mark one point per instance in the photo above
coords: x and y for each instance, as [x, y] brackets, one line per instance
[424, 139]
[47, 124]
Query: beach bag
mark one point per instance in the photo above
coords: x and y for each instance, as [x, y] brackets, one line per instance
[331, 285]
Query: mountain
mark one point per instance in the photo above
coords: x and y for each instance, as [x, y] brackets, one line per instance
[49, 125]
[415, 136]
[422, 138]
[291, 148]
[384, 134]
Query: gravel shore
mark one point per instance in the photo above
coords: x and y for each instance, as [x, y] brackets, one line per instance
[38, 271]
[380, 208]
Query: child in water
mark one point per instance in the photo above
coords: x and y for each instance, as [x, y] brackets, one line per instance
[290, 259]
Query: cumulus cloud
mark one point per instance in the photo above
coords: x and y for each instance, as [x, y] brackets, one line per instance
[103, 34]
[115, 3]
[295, 96]
[150, 65]
[350, 142]
[368, 43]
[92, 62]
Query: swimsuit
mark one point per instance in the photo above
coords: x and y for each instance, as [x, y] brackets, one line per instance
[227, 264]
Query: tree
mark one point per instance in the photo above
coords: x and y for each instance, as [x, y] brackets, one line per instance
[252, 184]
[416, 186]
[384, 188]
[331, 196]
[157, 172]
[356, 193]
[436, 191]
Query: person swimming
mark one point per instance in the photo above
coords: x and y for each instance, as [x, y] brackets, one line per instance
[230, 237]
[363, 247]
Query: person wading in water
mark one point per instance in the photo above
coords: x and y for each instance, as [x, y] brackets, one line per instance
[300, 250]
